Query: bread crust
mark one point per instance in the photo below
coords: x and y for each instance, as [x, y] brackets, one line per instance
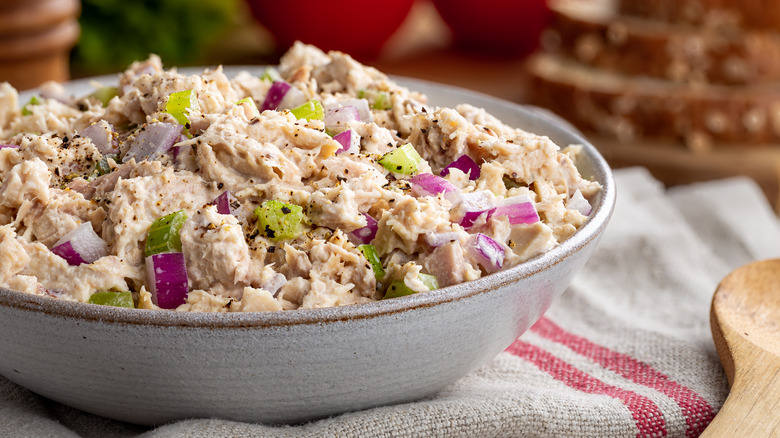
[629, 107]
[601, 38]
[747, 14]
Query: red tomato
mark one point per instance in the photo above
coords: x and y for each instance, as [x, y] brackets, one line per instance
[510, 27]
[357, 27]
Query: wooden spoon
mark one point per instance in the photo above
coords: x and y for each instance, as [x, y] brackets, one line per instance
[745, 322]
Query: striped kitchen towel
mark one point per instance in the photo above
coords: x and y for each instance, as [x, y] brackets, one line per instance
[625, 352]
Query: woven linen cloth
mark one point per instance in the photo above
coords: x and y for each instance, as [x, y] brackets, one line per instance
[625, 352]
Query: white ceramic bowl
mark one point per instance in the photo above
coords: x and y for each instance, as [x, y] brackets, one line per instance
[152, 367]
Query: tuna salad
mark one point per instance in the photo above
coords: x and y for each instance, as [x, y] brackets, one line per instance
[320, 182]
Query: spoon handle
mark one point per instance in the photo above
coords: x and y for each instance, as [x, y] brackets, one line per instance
[752, 408]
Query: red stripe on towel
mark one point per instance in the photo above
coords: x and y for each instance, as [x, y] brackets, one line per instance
[648, 417]
[697, 412]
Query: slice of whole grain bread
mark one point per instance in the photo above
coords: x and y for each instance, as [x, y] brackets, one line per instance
[747, 14]
[594, 34]
[630, 107]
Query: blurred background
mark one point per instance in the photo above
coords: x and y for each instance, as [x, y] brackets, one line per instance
[688, 97]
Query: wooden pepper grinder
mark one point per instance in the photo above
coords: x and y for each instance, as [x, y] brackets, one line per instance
[36, 37]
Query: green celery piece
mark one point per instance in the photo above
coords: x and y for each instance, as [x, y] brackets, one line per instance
[251, 103]
[105, 94]
[377, 99]
[164, 235]
[182, 103]
[311, 110]
[398, 288]
[35, 100]
[369, 251]
[116, 299]
[382, 101]
[429, 281]
[270, 74]
[404, 160]
[278, 220]
[102, 166]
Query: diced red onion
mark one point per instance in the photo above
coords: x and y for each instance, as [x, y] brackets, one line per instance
[518, 209]
[474, 204]
[487, 252]
[471, 216]
[167, 279]
[293, 98]
[339, 118]
[439, 239]
[579, 203]
[82, 245]
[465, 164]
[153, 141]
[102, 136]
[179, 152]
[281, 96]
[9, 146]
[360, 105]
[428, 184]
[366, 234]
[275, 95]
[225, 203]
[349, 140]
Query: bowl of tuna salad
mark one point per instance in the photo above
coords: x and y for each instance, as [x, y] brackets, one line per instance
[265, 243]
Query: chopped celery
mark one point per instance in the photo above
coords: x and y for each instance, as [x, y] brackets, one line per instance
[35, 100]
[311, 110]
[182, 103]
[251, 103]
[105, 94]
[116, 299]
[429, 281]
[270, 74]
[103, 167]
[404, 160]
[164, 234]
[398, 288]
[376, 98]
[369, 251]
[278, 220]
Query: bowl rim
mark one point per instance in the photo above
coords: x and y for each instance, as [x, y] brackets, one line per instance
[588, 231]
